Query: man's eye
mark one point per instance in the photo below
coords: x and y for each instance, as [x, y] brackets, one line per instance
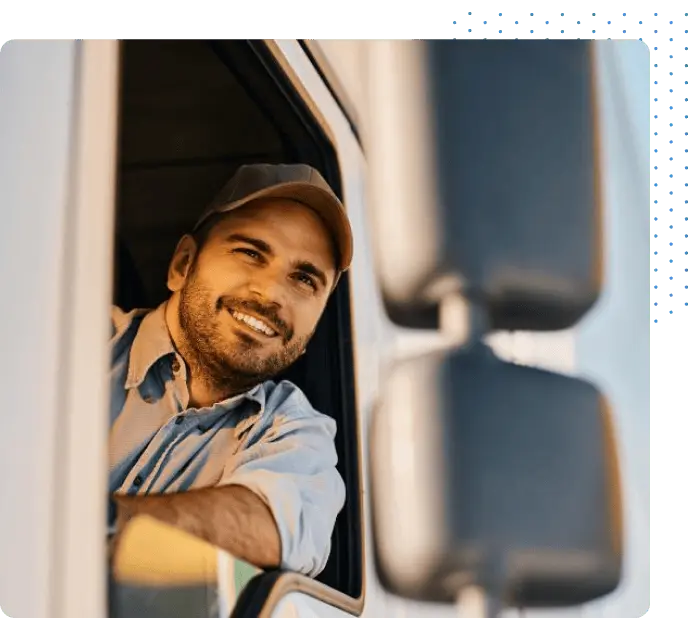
[250, 252]
[304, 278]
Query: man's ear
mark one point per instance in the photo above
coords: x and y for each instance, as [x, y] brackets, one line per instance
[181, 263]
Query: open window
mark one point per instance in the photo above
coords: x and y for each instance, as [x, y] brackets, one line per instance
[191, 113]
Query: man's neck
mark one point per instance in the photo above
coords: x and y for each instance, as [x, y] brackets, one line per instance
[203, 395]
[203, 391]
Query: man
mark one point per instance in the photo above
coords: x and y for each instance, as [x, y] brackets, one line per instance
[201, 437]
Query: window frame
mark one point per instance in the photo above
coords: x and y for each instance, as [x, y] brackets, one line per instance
[335, 86]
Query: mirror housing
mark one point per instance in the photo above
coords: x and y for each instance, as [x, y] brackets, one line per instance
[496, 475]
[485, 179]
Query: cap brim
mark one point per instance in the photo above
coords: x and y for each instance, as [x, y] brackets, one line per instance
[326, 205]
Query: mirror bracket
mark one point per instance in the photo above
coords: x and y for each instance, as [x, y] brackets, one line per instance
[462, 322]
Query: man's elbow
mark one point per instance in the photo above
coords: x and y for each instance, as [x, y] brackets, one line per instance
[272, 556]
[271, 543]
[266, 547]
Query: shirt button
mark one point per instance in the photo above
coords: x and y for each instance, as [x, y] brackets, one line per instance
[138, 481]
[175, 365]
[148, 399]
[179, 420]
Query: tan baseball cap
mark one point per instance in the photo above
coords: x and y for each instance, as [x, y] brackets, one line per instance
[297, 182]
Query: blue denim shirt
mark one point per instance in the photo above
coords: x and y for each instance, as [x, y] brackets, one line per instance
[269, 440]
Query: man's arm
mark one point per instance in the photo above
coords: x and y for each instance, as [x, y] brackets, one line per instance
[291, 494]
[293, 470]
[232, 518]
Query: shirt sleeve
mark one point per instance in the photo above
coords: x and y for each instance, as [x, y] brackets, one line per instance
[291, 467]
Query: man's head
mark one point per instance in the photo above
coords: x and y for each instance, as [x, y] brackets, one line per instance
[251, 282]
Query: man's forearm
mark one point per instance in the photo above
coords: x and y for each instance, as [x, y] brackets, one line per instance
[232, 518]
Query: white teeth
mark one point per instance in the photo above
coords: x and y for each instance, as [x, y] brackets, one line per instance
[254, 323]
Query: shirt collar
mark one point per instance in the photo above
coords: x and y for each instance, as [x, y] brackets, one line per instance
[153, 341]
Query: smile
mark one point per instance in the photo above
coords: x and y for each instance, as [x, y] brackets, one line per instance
[253, 323]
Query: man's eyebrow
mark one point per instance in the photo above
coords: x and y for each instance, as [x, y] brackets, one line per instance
[261, 245]
[308, 267]
[303, 265]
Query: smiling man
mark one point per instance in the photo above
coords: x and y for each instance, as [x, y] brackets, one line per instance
[201, 436]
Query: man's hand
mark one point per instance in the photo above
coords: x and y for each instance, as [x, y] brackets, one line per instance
[232, 518]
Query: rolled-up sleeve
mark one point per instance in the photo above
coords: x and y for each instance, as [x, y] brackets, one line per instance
[291, 467]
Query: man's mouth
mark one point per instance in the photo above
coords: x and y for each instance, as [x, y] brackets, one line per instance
[253, 323]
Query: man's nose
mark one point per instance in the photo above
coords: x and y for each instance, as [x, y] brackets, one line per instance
[270, 288]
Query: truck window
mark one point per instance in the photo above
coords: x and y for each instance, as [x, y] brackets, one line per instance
[191, 113]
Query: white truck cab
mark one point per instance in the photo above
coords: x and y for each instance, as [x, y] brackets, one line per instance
[109, 151]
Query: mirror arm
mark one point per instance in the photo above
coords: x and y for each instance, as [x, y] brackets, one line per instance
[477, 602]
[462, 321]
[482, 597]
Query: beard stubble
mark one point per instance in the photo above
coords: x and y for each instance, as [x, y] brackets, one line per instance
[231, 367]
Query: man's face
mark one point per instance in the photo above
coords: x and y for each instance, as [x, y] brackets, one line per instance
[250, 298]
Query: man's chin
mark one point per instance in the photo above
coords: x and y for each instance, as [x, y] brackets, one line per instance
[243, 360]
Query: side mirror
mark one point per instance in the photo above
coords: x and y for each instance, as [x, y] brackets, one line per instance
[484, 179]
[494, 475]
